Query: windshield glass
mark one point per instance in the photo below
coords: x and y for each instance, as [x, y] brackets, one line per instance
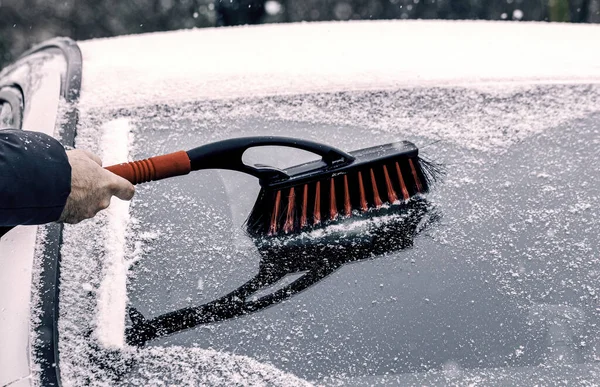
[497, 276]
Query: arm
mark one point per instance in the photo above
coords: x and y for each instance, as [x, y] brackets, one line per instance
[41, 183]
[35, 178]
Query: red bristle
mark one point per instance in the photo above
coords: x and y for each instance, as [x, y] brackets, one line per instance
[390, 189]
[304, 205]
[333, 212]
[289, 220]
[405, 194]
[361, 189]
[414, 173]
[376, 198]
[347, 204]
[275, 215]
[317, 211]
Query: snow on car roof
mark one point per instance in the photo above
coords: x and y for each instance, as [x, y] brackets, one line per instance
[217, 63]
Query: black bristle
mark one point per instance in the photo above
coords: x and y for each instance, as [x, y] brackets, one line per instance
[431, 171]
[417, 176]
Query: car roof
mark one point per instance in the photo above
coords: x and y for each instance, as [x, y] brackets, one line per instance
[235, 62]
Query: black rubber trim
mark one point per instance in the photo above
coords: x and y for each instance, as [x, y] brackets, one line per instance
[46, 347]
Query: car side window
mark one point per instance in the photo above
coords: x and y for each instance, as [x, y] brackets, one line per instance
[11, 108]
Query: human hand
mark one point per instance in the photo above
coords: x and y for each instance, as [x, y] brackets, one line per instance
[91, 187]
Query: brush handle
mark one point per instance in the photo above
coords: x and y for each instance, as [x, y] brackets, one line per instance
[227, 154]
[154, 168]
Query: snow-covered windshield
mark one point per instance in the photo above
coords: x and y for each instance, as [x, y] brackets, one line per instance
[503, 282]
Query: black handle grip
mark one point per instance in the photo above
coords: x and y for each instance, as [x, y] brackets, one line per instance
[227, 154]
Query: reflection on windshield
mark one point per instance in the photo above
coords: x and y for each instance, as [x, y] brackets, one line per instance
[315, 257]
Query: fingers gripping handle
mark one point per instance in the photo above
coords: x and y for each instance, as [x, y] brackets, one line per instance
[154, 168]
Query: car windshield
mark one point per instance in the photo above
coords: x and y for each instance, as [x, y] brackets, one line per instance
[496, 279]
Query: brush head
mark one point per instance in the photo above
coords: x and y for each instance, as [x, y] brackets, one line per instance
[381, 180]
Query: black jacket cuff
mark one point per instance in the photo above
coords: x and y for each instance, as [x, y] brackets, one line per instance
[35, 178]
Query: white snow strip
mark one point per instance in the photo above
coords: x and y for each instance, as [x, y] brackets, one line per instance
[112, 294]
[222, 63]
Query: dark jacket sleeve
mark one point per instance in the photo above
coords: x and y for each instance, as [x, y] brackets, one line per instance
[35, 178]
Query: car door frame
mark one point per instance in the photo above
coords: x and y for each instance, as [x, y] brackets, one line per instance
[43, 352]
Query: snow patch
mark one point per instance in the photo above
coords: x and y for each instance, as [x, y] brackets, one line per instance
[112, 295]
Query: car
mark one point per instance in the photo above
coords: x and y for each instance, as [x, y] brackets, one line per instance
[494, 280]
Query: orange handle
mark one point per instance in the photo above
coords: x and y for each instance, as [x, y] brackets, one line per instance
[154, 168]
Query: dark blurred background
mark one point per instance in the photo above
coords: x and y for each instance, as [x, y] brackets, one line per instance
[26, 22]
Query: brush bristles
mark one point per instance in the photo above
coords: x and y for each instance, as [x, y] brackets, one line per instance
[311, 205]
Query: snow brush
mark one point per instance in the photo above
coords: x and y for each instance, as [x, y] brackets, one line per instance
[338, 188]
